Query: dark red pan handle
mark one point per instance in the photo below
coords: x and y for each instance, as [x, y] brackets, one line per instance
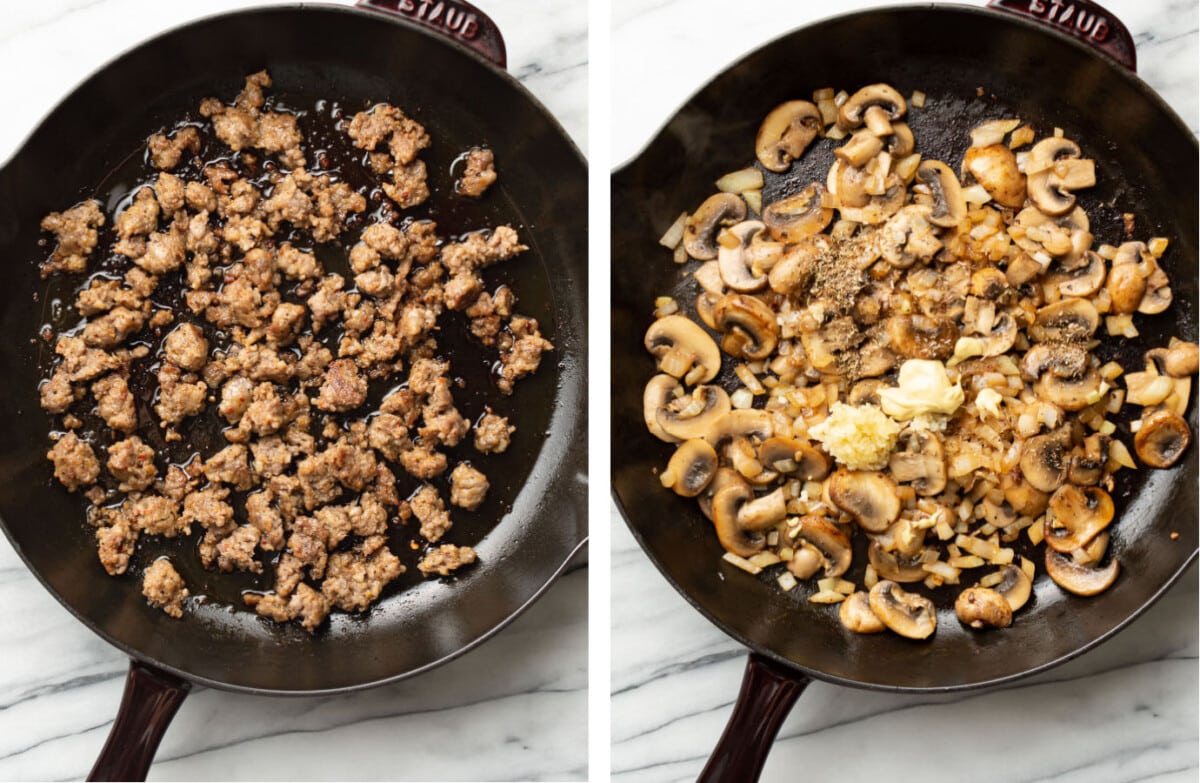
[459, 21]
[1085, 20]
[769, 690]
[150, 700]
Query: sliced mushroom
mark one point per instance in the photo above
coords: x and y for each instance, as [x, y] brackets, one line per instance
[874, 359]
[1088, 460]
[949, 206]
[740, 423]
[794, 457]
[792, 218]
[1001, 337]
[866, 392]
[922, 336]
[1126, 285]
[691, 468]
[1094, 552]
[1070, 394]
[1162, 438]
[659, 392]
[1069, 320]
[1025, 499]
[919, 460]
[692, 416]
[852, 112]
[856, 615]
[705, 304]
[871, 497]
[750, 327]
[908, 237]
[901, 143]
[733, 260]
[794, 271]
[824, 536]
[1158, 294]
[1179, 360]
[683, 349]
[1044, 460]
[1084, 281]
[1064, 360]
[1080, 579]
[859, 148]
[763, 512]
[988, 283]
[982, 607]
[724, 477]
[1023, 269]
[1015, 585]
[1076, 516]
[1048, 151]
[894, 566]
[908, 614]
[726, 504]
[785, 133]
[1055, 170]
[700, 231]
[995, 168]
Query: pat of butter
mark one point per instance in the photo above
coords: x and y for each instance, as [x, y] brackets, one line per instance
[989, 401]
[923, 387]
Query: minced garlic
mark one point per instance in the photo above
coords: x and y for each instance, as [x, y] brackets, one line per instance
[923, 387]
[858, 436]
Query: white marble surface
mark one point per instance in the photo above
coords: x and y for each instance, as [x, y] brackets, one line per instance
[1126, 711]
[513, 709]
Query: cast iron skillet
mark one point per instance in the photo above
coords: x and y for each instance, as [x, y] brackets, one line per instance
[1147, 162]
[534, 519]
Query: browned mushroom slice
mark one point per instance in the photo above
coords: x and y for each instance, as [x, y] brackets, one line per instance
[750, 328]
[700, 230]
[1070, 394]
[851, 113]
[995, 168]
[683, 349]
[1084, 281]
[738, 537]
[1015, 585]
[1088, 460]
[908, 614]
[741, 423]
[794, 457]
[1162, 438]
[763, 512]
[705, 303]
[1064, 360]
[785, 133]
[908, 237]
[1055, 171]
[1044, 460]
[988, 283]
[949, 206]
[1080, 579]
[792, 218]
[806, 562]
[859, 148]
[871, 497]
[1158, 291]
[1068, 320]
[982, 607]
[1126, 284]
[856, 615]
[921, 336]
[795, 269]
[1025, 499]
[824, 536]
[1076, 516]
[691, 468]
[724, 477]
[1179, 360]
[660, 391]
[919, 460]
[900, 144]
[897, 568]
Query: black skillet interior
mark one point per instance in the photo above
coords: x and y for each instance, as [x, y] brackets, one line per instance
[534, 518]
[1146, 163]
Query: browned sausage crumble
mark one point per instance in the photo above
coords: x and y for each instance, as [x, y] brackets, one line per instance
[328, 386]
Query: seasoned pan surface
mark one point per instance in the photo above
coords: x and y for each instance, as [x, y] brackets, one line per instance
[1147, 161]
[90, 147]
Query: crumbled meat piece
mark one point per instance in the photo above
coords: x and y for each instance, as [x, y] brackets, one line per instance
[443, 423]
[492, 433]
[140, 218]
[57, 393]
[363, 257]
[165, 250]
[186, 348]
[260, 362]
[230, 465]
[235, 552]
[102, 295]
[384, 489]
[424, 375]
[306, 605]
[386, 240]
[163, 587]
[318, 479]
[328, 300]
[235, 398]
[76, 233]
[114, 403]
[111, 329]
[199, 197]
[367, 517]
[344, 387]
[446, 558]
[244, 125]
[408, 187]
[423, 462]
[403, 403]
[313, 361]
[209, 508]
[239, 303]
[261, 512]
[468, 486]
[525, 354]
[405, 136]
[481, 249]
[131, 462]
[75, 464]
[378, 282]
[115, 544]
[154, 515]
[387, 434]
[171, 193]
[176, 484]
[353, 465]
[271, 455]
[312, 202]
[356, 578]
[166, 152]
[178, 397]
[479, 173]
[286, 323]
[462, 290]
[307, 545]
[336, 522]
[296, 264]
[427, 506]
[82, 363]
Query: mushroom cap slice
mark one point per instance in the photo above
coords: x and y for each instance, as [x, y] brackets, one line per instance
[691, 468]
[1015, 585]
[1002, 335]
[1048, 151]
[922, 336]
[700, 230]
[1066, 321]
[683, 349]
[792, 218]
[1086, 280]
[750, 326]
[785, 133]
[920, 460]
[1022, 496]
[807, 462]
[1076, 516]
[1162, 438]
[659, 391]
[724, 477]
[1080, 579]
[827, 539]
[1158, 294]
[856, 615]
[871, 497]
[1070, 394]
[1180, 360]
[1126, 286]
[901, 143]
[740, 423]
[995, 168]
[1088, 460]
[891, 566]
[908, 614]
[885, 96]
[1065, 360]
[949, 206]
[982, 607]
[692, 416]
[1044, 460]
[726, 504]
[733, 260]
[1047, 197]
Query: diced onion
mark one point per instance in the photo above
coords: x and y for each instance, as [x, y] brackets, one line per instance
[786, 582]
[764, 559]
[827, 597]
[741, 180]
[741, 562]
[917, 99]
[674, 235]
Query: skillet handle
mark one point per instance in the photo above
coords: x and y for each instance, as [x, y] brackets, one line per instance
[768, 692]
[1082, 19]
[150, 700]
[457, 20]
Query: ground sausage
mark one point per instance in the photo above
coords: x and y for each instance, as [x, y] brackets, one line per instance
[163, 587]
[478, 174]
[468, 487]
[446, 558]
[75, 464]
